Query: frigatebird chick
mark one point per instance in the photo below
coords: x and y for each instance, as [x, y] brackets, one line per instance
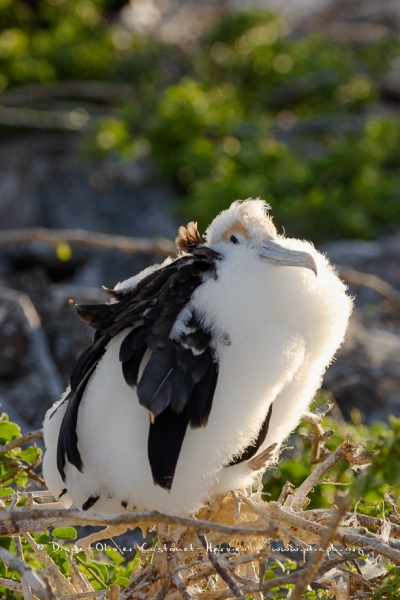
[198, 365]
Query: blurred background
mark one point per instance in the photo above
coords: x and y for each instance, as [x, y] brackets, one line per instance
[133, 117]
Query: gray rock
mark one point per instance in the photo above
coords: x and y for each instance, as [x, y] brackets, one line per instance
[366, 373]
[53, 189]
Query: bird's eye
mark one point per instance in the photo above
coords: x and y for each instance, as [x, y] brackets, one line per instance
[233, 239]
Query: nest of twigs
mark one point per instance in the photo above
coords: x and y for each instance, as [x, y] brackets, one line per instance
[224, 552]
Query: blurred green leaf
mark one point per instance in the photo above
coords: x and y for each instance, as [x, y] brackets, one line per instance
[65, 533]
[8, 431]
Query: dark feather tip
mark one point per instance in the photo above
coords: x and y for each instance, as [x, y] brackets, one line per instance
[111, 293]
[84, 314]
[90, 502]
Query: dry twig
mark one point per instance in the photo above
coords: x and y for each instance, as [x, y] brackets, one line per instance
[30, 577]
[312, 568]
[201, 568]
[24, 439]
[355, 455]
[88, 239]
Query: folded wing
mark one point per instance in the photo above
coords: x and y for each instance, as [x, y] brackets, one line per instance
[174, 371]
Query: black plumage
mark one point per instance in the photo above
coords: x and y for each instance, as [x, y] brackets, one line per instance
[165, 440]
[178, 376]
[91, 501]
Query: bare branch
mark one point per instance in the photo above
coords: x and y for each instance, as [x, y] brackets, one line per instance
[52, 570]
[319, 434]
[312, 568]
[18, 552]
[12, 585]
[108, 532]
[36, 520]
[344, 536]
[71, 120]
[262, 510]
[180, 584]
[219, 568]
[82, 595]
[24, 439]
[33, 579]
[323, 516]
[267, 585]
[368, 280]
[88, 239]
[353, 453]
[261, 460]
[359, 578]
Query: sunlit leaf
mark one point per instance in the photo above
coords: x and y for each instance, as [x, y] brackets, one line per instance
[65, 533]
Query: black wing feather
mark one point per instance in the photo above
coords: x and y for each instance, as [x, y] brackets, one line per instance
[178, 380]
[167, 432]
[67, 445]
[183, 385]
[131, 366]
[154, 389]
[199, 404]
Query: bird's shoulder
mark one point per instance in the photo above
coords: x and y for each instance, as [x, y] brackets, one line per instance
[158, 294]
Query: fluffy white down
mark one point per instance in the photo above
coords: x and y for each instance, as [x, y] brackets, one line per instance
[284, 324]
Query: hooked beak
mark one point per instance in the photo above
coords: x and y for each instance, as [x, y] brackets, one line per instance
[283, 257]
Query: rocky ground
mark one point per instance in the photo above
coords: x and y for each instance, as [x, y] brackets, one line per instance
[43, 184]
[366, 374]
[41, 334]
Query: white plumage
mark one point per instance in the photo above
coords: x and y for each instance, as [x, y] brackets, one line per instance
[246, 321]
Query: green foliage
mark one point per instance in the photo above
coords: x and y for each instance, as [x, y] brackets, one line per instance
[389, 588]
[251, 110]
[71, 40]
[275, 71]
[65, 533]
[287, 119]
[17, 465]
[378, 488]
[374, 490]
[295, 463]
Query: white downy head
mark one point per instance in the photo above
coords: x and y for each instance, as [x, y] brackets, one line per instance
[248, 224]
